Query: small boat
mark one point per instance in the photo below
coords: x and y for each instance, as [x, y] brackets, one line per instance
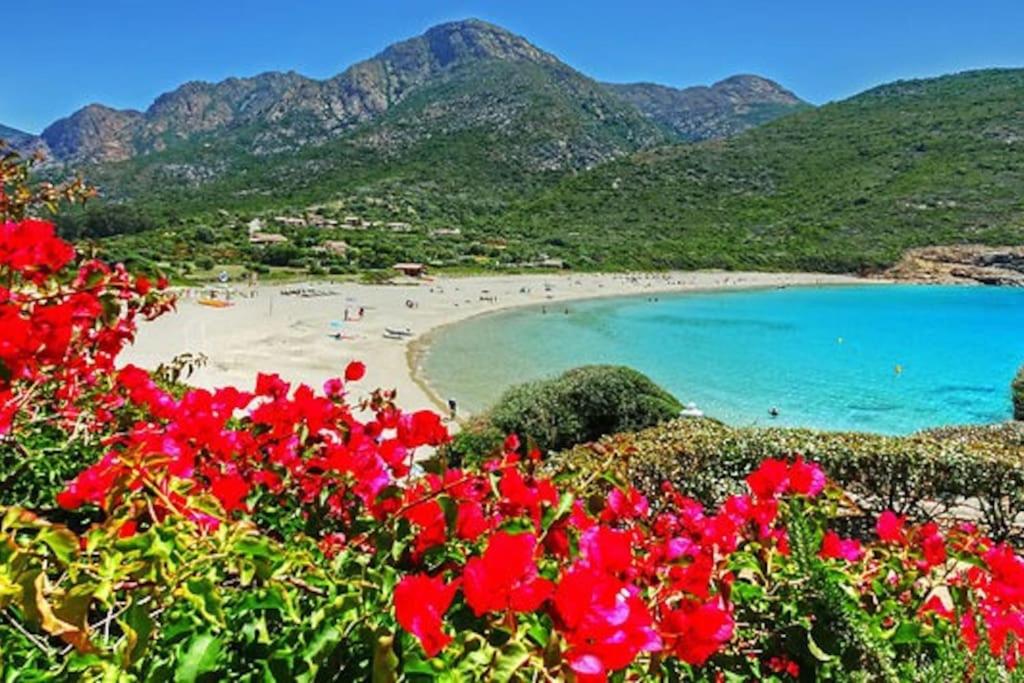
[214, 303]
[691, 410]
[398, 331]
[392, 335]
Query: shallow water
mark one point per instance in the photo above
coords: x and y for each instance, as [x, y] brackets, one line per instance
[890, 359]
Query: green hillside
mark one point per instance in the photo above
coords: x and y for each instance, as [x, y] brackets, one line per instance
[530, 161]
[843, 187]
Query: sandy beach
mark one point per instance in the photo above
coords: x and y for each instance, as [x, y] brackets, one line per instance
[306, 339]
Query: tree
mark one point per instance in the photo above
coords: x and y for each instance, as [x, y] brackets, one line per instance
[583, 404]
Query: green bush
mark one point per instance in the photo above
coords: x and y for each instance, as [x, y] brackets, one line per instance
[581, 405]
[477, 441]
[1017, 388]
[973, 473]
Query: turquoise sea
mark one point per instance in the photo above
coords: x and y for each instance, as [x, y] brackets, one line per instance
[881, 358]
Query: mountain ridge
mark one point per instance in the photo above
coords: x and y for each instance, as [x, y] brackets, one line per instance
[725, 108]
[286, 111]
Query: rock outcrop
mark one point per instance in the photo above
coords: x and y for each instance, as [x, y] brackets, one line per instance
[970, 263]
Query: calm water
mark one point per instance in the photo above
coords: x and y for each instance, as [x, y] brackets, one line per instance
[889, 359]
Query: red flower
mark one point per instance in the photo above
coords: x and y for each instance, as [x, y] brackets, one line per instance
[505, 577]
[625, 505]
[470, 521]
[128, 529]
[933, 546]
[422, 428]
[770, 479]
[806, 478]
[354, 371]
[834, 547]
[231, 490]
[696, 630]
[429, 517]
[607, 550]
[890, 527]
[420, 604]
[604, 621]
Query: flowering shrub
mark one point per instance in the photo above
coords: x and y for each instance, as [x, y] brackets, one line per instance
[283, 533]
[973, 472]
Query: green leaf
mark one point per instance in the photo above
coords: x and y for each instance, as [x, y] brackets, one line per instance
[510, 659]
[816, 651]
[203, 594]
[137, 626]
[61, 541]
[254, 546]
[906, 632]
[199, 658]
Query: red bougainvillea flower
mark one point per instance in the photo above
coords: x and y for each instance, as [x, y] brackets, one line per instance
[933, 545]
[695, 630]
[33, 249]
[769, 479]
[806, 478]
[231, 490]
[936, 605]
[604, 621]
[420, 604]
[784, 665]
[1006, 580]
[890, 527]
[834, 547]
[422, 428]
[775, 477]
[470, 522]
[354, 371]
[505, 577]
[625, 505]
[428, 516]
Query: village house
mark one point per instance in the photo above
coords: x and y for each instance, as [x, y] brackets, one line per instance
[261, 239]
[445, 232]
[336, 247]
[290, 220]
[411, 269]
[399, 227]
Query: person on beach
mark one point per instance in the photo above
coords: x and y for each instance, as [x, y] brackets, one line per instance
[452, 408]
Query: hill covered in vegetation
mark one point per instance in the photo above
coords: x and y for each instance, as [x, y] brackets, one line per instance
[847, 186]
[468, 147]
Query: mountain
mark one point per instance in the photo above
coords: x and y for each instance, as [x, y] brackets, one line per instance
[847, 186]
[276, 113]
[722, 110]
[22, 142]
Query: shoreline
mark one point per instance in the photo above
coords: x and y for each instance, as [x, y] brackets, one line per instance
[418, 347]
[308, 340]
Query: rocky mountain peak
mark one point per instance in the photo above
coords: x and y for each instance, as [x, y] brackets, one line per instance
[756, 89]
[701, 112]
[95, 132]
[473, 39]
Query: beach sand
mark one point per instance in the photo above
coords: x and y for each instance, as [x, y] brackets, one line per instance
[293, 335]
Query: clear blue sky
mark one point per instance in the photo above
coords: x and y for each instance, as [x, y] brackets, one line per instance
[63, 54]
